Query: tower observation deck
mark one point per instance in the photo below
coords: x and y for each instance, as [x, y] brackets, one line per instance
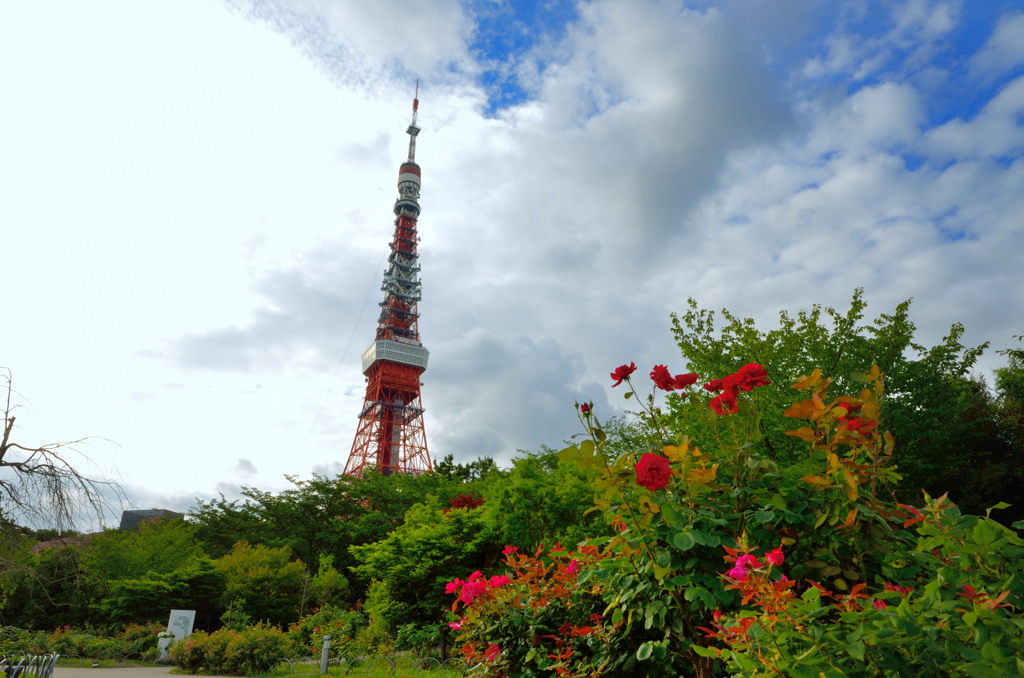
[390, 436]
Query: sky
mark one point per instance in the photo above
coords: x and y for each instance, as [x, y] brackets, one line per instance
[195, 207]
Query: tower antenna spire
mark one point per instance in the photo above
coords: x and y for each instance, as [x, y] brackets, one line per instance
[390, 436]
[413, 129]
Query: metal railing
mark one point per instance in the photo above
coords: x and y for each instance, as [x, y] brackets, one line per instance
[33, 666]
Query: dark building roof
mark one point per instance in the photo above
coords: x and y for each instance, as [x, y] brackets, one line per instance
[130, 520]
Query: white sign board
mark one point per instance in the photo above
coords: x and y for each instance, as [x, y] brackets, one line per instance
[180, 623]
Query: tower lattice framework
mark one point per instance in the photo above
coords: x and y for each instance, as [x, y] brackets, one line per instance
[390, 436]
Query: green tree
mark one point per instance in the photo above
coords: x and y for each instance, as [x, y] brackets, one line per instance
[320, 516]
[328, 586]
[195, 585]
[414, 561]
[541, 500]
[49, 590]
[140, 576]
[264, 583]
[932, 406]
[475, 470]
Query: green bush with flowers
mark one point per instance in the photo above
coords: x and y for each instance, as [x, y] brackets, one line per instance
[726, 560]
[230, 652]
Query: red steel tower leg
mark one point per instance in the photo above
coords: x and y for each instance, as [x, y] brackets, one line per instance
[390, 435]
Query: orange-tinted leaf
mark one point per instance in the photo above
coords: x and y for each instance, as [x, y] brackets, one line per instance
[817, 480]
[870, 410]
[806, 382]
[674, 453]
[804, 433]
[850, 488]
[702, 476]
[802, 410]
[850, 519]
[819, 407]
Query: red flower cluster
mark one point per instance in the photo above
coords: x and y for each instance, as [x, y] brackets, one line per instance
[747, 562]
[474, 586]
[858, 424]
[467, 501]
[652, 471]
[666, 382]
[728, 388]
[622, 372]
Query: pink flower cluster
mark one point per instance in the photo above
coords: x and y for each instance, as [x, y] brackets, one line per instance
[477, 584]
[746, 563]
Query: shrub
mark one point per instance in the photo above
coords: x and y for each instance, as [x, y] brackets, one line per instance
[189, 654]
[136, 640]
[342, 625]
[14, 641]
[423, 641]
[373, 640]
[231, 652]
[98, 647]
[863, 594]
[67, 642]
[256, 650]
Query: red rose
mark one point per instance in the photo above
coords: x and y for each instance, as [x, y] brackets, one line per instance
[652, 471]
[713, 385]
[684, 380]
[622, 372]
[752, 375]
[585, 408]
[662, 379]
[724, 403]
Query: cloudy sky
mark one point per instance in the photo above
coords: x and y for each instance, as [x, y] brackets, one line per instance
[195, 205]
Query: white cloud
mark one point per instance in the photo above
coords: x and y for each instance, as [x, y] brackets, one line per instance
[996, 131]
[201, 209]
[1003, 51]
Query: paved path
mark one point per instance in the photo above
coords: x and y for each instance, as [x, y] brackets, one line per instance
[126, 672]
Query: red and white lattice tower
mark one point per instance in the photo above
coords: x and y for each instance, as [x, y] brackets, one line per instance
[390, 435]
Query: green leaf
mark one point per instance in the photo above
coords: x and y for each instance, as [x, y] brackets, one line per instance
[701, 593]
[672, 517]
[660, 572]
[984, 533]
[571, 453]
[979, 670]
[856, 650]
[644, 651]
[705, 651]
[683, 541]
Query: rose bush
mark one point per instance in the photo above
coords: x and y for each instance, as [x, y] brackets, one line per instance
[840, 577]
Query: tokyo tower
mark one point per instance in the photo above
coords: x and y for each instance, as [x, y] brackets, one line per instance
[390, 435]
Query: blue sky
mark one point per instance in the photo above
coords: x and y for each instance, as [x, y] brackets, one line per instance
[197, 197]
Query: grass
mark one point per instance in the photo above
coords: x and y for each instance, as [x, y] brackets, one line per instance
[402, 667]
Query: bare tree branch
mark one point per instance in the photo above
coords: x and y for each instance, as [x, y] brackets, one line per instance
[40, 487]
